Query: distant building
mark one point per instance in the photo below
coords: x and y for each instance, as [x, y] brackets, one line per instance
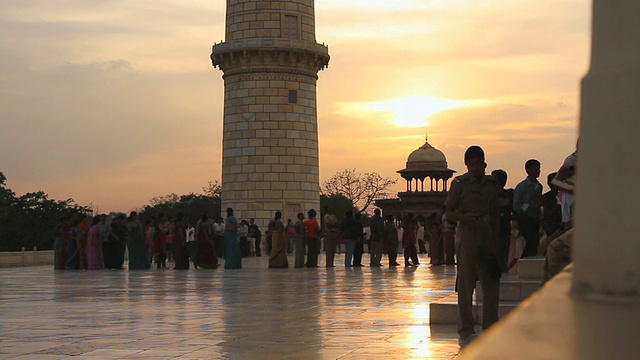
[427, 177]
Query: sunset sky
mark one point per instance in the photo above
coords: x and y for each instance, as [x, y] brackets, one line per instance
[114, 102]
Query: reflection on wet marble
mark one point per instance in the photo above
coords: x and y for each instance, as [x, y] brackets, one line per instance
[251, 313]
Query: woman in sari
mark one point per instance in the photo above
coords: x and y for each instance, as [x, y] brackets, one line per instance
[232, 253]
[160, 242]
[409, 239]
[65, 238]
[72, 261]
[278, 256]
[94, 246]
[206, 255]
[180, 250]
[391, 240]
[311, 238]
[149, 229]
[436, 246]
[138, 257]
[83, 233]
[299, 243]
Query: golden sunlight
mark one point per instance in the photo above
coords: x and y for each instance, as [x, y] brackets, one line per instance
[420, 334]
[413, 111]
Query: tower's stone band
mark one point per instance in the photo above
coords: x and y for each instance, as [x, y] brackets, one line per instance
[270, 61]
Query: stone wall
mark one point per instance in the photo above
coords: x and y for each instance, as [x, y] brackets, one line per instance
[26, 258]
[270, 156]
[250, 18]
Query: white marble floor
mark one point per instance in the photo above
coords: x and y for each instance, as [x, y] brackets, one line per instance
[251, 313]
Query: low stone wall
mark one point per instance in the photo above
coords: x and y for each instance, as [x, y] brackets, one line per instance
[26, 258]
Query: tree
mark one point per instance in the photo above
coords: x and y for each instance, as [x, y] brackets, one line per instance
[191, 205]
[361, 189]
[29, 220]
[213, 189]
[339, 203]
[171, 198]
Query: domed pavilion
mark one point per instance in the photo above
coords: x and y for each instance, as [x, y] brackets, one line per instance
[427, 178]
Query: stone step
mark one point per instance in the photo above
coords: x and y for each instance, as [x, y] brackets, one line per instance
[530, 268]
[504, 308]
[445, 310]
[513, 288]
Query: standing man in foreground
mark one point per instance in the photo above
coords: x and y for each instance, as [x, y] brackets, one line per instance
[472, 203]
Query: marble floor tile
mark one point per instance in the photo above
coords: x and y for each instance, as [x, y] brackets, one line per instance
[251, 313]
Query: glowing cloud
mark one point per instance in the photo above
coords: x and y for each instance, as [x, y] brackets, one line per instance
[413, 111]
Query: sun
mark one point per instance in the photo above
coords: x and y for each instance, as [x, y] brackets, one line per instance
[413, 111]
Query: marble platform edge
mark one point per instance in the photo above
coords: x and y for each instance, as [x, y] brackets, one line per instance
[551, 324]
[11, 259]
[499, 341]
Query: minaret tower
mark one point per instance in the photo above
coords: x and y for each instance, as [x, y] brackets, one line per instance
[270, 59]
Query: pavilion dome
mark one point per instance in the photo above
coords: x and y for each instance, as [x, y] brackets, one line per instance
[427, 155]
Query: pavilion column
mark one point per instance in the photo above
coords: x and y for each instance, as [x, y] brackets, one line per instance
[607, 241]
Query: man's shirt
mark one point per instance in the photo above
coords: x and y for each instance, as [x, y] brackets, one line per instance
[527, 198]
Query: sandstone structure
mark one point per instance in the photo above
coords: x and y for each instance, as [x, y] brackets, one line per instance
[270, 59]
[427, 176]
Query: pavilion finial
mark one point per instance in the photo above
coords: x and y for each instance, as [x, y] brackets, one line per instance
[426, 137]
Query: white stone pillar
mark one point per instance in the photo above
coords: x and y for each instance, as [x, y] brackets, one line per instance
[607, 241]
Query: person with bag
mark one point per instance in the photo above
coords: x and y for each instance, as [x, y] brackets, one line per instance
[565, 182]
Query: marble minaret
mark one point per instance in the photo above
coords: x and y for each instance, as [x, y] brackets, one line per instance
[270, 59]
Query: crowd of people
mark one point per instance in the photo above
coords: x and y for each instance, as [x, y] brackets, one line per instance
[524, 217]
[484, 229]
[93, 243]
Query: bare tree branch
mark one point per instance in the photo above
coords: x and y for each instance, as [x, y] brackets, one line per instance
[213, 189]
[171, 198]
[361, 189]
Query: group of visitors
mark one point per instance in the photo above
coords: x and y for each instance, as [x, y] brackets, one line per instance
[488, 215]
[91, 243]
[485, 216]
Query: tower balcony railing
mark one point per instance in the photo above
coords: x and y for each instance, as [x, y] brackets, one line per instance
[270, 43]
